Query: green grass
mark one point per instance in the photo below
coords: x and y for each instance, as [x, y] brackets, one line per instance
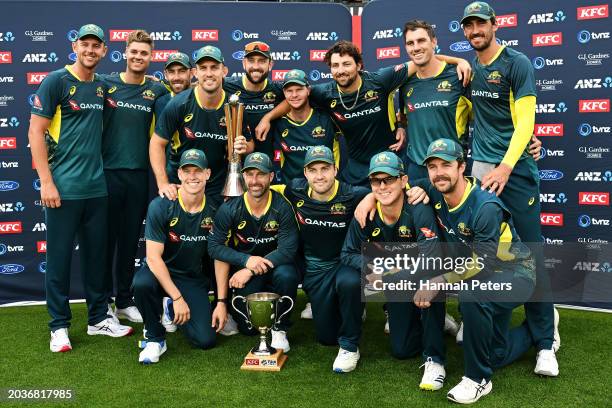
[105, 372]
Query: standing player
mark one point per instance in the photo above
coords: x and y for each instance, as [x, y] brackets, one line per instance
[256, 91]
[482, 230]
[300, 129]
[504, 98]
[131, 106]
[411, 331]
[256, 236]
[196, 119]
[361, 103]
[324, 208]
[176, 234]
[66, 141]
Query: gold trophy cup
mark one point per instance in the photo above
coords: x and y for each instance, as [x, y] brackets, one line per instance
[234, 114]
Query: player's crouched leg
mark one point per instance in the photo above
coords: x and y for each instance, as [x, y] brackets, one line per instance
[198, 329]
[285, 281]
[147, 296]
[348, 291]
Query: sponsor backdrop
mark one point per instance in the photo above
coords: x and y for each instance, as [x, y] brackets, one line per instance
[568, 43]
[33, 44]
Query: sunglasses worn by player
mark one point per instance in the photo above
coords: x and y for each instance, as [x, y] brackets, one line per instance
[377, 181]
[256, 46]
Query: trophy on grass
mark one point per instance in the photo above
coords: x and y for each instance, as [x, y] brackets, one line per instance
[262, 310]
[234, 114]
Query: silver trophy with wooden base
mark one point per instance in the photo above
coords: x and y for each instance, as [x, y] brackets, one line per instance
[234, 115]
[262, 310]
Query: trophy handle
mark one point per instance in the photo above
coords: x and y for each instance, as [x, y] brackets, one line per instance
[242, 314]
[287, 311]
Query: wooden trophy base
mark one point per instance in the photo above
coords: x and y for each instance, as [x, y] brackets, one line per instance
[272, 362]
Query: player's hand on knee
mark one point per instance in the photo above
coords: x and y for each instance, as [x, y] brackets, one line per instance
[422, 298]
[169, 191]
[535, 148]
[259, 265]
[219, 316]
[417, 195]
[182, 314]
[240, 278]
[49, 195]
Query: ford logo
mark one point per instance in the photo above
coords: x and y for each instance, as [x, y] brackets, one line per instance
[8, 185]
[461, 46]
[11, 269]
[238, 55]
[550, 175]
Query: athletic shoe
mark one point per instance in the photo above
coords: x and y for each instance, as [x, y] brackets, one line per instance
[469, 391]
[433, 377]
[108, 327]
[450, 325]
[231, 327]
[459, 337]
[111, 313]
[546, 363]
[307, 312]
[152, 351]
[386, 329]
[60, 342]
[279, 340]
[556, 337]
[166, 319]
[346, 361]
[130, 313]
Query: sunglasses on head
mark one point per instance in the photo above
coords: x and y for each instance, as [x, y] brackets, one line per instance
[257, 46]
[377, 181]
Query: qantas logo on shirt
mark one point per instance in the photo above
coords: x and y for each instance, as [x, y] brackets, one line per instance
[429, 104]
[287, 148]
[319, 223]
[120, 104]
[365, 112]
[429, 234]
[74, 105]
[174, 237]
[251, 240]
[189, 133]
[485, 94]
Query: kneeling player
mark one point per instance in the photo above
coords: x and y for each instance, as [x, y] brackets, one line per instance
[501, 278]
[176, 234]
[412, 331]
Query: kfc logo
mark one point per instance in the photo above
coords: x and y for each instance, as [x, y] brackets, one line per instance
[317, 55]
[547, 39]
[204, 35]
[35, 78]
[593, 105]
[507, 20]
[162, 55]
[119, 35]
[41, 247]
[548, 129]
[551, 219]
[592, 12]
[279, 74]
[592, 198]
[8, 143]
[10, 227]
[388, 52]
[6, 57]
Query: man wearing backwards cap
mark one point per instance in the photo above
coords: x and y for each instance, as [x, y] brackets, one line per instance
[412, 332]
[131, 106]
[256, 91]
[324, 208]
[301, 128]
[256, 237]
[176, 239]
[504, 100]
[500, 278]
[66, 137]
[196, 119]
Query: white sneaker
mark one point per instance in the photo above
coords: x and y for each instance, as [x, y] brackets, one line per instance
[166, 320]
[459, 337]
[546, 363]
[307, 312]
[279, 340]
[346, 361]
[433, 377]
[130, 313]
[386, 329]
[231, 327]
[468, 391]
[111, 313]
[450, 325]
[152, 351]
[108, 327]
[60, 342]
[556, 336]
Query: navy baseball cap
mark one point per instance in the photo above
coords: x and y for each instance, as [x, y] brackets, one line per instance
[259, 161]
[91, 30]
[445, 149]
[478, 9]
[386, 162]
[194, 157]
[179, 58]
[319, 154]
